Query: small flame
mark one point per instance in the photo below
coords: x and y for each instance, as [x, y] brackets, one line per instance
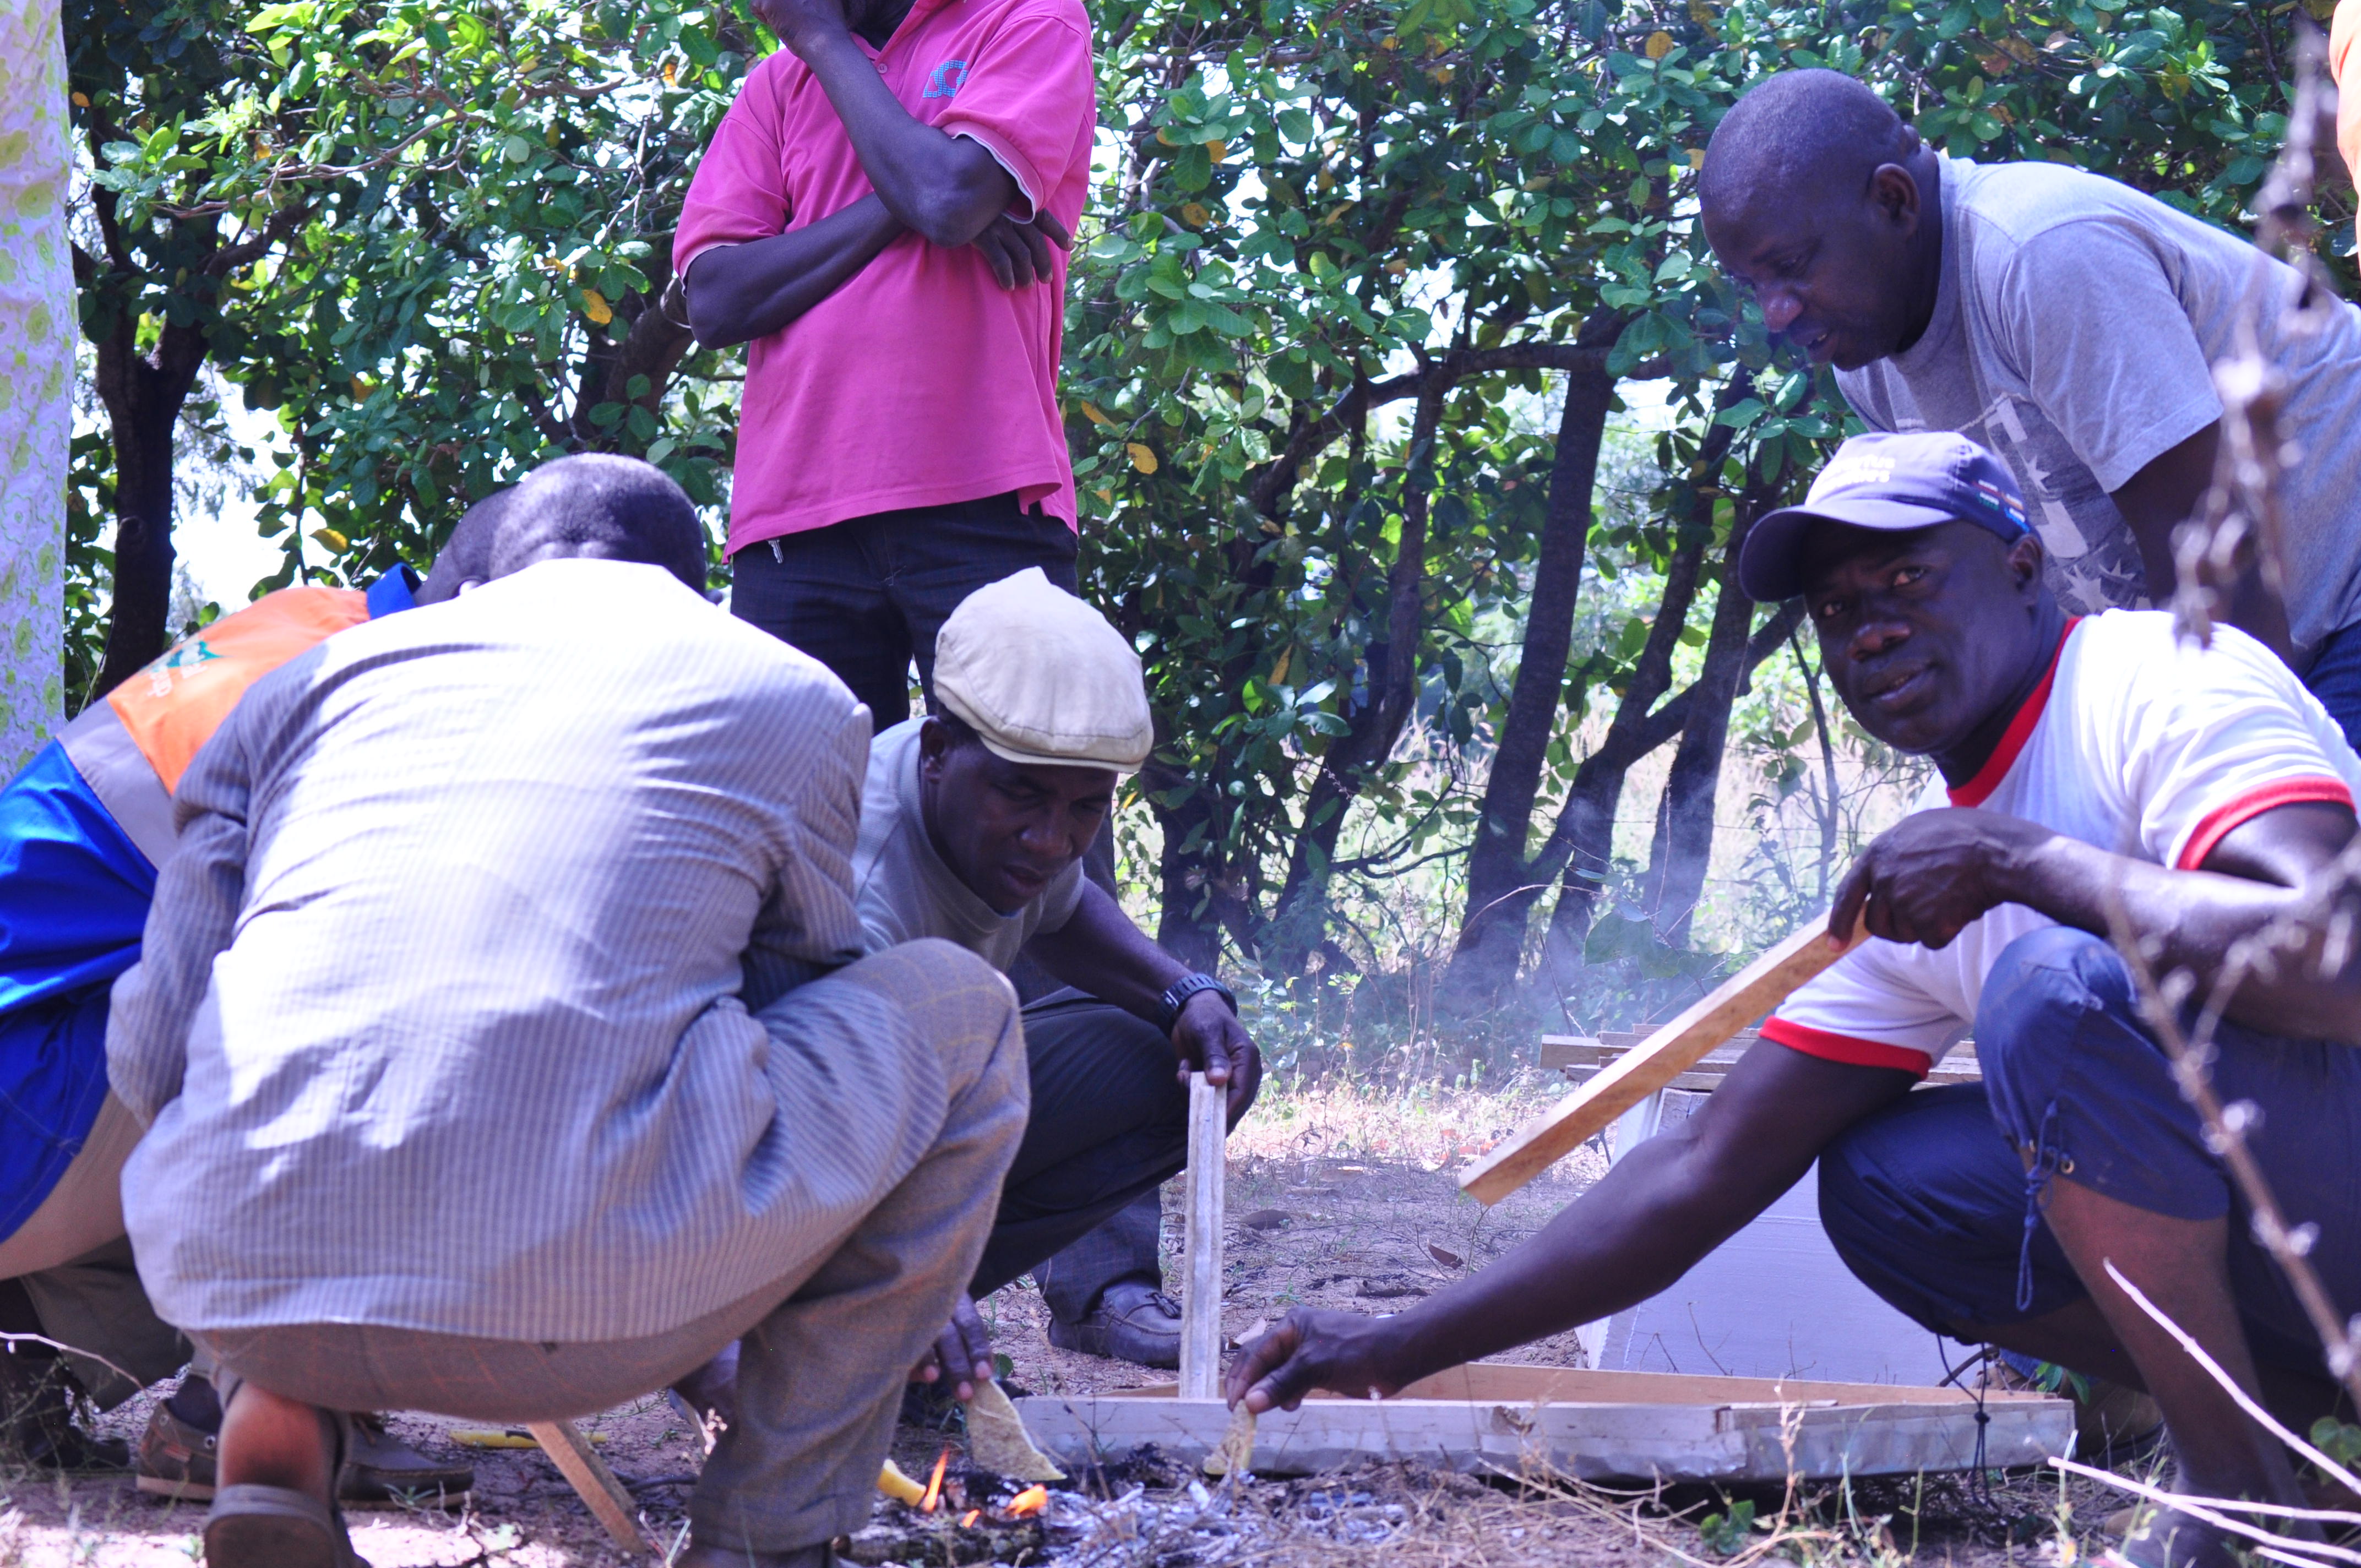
[967, 1520]
[935, 1483]
[1031, 1500]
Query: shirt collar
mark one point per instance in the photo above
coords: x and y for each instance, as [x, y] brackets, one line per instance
[956, 897]
[1979, 789]
[394, 592]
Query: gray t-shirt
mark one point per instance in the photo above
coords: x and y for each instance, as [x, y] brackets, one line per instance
[2074, 330]
[902, 887]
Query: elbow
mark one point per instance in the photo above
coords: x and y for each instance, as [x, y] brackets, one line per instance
[954, 210]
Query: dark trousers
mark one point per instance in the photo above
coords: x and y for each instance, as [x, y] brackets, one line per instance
[1929, 1200]
[1109, 1125]
[2334, 678]
[866, 596]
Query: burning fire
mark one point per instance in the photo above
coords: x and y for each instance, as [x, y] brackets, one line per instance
[1030, 1501]
[934, 1496]
[967, 1520]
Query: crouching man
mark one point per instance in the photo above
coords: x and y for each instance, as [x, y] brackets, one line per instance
[2085, 764]
[491, 1059]
[974, 826]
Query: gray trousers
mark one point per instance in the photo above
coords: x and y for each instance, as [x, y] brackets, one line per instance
[1110, 1126]
[73, 1263]
[824, 1349]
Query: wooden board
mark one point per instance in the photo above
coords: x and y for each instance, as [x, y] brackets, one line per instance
[1737, 1001]
[610, 1504]
[1201, 1292]
[1601, 1426]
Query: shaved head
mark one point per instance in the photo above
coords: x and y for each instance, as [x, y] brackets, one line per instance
[1799, 131]
[1820, 201]
[604, 507]
[466, 555]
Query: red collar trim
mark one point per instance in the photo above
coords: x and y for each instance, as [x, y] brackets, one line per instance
[1978, 790]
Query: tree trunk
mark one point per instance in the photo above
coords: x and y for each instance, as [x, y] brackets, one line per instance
[1301, 924]
[1188, 923]
[36, 325]
[1492, 931]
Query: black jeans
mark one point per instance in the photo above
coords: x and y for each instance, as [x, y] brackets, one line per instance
[866, 596]
[1109, 1125]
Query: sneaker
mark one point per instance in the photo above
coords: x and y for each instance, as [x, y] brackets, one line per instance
[1134, 1322]
[178, 1459]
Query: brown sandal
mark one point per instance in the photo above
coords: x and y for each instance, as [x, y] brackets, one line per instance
[252, 1526]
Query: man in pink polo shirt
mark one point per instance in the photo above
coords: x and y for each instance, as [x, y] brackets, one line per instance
[883, 215]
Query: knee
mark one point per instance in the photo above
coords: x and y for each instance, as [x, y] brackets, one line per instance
[2040, 992]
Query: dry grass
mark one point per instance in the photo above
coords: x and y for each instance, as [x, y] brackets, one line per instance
[1425, 1124]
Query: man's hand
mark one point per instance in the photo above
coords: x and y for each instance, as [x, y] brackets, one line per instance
[1342, 1352]
[1932, 873]
[1208, 1038]
[1019, 253]
[803, 25]
[963, 1350]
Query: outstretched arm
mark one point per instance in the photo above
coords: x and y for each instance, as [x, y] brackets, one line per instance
[1931, 873]
[2158, 500]
[1647, 1221]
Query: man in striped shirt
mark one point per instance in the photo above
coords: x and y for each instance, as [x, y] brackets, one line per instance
[494, 1062]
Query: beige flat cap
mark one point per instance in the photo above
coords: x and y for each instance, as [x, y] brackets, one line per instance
[1043, 679]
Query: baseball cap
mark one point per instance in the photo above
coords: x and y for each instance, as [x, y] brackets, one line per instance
[1889, 482]
[1042, 678]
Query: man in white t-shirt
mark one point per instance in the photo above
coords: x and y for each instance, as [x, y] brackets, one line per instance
[2065, 320]
[2086, 765]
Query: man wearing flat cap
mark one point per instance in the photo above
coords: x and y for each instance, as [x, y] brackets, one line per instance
[973, 824]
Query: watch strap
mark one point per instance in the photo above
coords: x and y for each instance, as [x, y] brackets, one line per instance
[1176, 996]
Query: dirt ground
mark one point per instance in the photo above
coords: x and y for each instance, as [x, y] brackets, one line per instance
[1333, 1201]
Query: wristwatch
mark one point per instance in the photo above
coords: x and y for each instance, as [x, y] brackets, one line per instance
[1176, 996]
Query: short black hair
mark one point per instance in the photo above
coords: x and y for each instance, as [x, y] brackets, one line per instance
[466, 555]
[605, 505]
[1799, 130]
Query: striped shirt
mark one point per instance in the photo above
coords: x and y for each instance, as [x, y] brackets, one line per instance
[442, 1017]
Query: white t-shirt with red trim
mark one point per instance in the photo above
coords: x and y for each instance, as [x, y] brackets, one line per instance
[2136, 742]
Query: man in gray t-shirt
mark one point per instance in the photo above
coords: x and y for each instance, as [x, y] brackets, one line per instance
[2065, 320]
[974, 825]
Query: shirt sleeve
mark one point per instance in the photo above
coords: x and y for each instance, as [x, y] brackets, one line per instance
[2105, 348]
[808, 924]
[2219, 736]
[199, 893]
[1865, 1010]
[739, 190]
[1027, 99]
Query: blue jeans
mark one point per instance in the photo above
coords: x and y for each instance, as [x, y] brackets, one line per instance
[1931, 1203]
[2336, 679]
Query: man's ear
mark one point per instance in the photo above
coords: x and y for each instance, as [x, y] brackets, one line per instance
[934, 745]
[1893, 190]
[2025, 558]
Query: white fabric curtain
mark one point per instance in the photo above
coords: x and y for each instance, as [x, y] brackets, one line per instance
[36, 357]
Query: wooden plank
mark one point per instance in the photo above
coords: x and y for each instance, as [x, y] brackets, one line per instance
[1201, 1295]
[610, 1504]
[1598, 1426]
[1670, 1051]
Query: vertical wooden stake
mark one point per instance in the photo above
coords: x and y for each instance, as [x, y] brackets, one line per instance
[610, 1504]
[1201, 1290]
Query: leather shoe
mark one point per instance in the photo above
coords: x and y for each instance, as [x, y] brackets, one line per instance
[177, 1460]
[1133, 1321]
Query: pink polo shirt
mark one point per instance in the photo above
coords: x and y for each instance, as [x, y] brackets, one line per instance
[920, 381]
